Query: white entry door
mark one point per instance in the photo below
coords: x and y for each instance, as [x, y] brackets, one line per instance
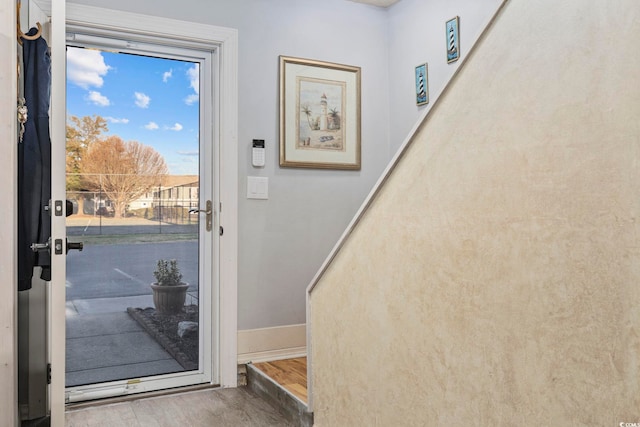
[139, 171]
[118, 262]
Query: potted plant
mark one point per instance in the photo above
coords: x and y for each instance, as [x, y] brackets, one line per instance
[169, 292]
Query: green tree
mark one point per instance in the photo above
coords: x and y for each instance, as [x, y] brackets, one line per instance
[81, 132]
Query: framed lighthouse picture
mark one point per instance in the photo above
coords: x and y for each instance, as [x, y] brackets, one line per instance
[319, 114]
[453, 39]
[422, 84]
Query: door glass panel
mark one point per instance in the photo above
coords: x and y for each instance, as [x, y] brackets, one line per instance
[133, 162]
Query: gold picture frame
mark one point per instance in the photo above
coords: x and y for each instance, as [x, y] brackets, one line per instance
[319, 114]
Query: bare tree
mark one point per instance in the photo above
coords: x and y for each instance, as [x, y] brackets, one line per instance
[123, 171]
[81, 133]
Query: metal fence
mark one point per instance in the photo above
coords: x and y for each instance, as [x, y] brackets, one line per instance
[170, 202]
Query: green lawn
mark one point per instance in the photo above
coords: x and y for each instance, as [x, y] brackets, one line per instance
[115, 239]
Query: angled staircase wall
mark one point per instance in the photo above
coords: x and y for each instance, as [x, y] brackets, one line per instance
[493, 280]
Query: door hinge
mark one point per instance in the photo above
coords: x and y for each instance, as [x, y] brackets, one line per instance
[48, 373]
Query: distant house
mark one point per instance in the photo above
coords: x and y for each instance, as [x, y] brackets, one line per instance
[173, 191]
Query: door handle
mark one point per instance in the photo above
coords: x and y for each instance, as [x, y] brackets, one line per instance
[60, 249]
[79, 246]
[208, 211]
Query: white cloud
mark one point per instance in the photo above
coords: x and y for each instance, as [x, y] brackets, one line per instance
[188, 153]
[98, 99]
[85, 67]
[177, 127]
[142, 100]
[192, 99]
[151, 126]
[193, 74]
[115, 120]
[167, 75]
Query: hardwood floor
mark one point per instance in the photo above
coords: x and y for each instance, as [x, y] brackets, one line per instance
[227, 407]
[290, 374]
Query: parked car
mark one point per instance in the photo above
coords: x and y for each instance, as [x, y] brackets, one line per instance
[105, 211]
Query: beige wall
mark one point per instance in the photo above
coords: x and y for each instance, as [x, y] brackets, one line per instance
[8, 160]
[495, 280]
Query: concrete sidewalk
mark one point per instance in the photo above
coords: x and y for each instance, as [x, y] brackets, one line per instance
[105, 344]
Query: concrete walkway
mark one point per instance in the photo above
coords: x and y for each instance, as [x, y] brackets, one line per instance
[105, 344]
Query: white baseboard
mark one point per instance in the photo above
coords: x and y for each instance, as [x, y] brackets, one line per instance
[267, 344]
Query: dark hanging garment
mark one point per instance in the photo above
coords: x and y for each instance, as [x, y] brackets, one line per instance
[34, 163]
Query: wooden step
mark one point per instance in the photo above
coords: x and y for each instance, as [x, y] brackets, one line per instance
[284, 385]
[290, 374]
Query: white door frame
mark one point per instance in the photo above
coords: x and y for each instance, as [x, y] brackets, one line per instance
[208, 241]
[225, 41]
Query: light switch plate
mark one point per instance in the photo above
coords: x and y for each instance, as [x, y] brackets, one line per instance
[257, 187]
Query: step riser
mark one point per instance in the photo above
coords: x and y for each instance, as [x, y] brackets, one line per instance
[290, 406]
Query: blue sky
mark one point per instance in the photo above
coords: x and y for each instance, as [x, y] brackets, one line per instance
[150, 100]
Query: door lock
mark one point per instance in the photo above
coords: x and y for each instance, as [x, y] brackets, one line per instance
[208, 212]
[59, 248]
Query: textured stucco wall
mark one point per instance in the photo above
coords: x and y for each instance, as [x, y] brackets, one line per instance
[495, 279]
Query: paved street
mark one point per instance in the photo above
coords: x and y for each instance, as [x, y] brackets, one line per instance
[101, 271]
[97, 229]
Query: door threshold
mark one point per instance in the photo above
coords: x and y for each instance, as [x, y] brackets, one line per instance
[69, 407]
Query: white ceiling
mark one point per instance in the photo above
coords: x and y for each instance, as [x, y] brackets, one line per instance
[380, 3]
